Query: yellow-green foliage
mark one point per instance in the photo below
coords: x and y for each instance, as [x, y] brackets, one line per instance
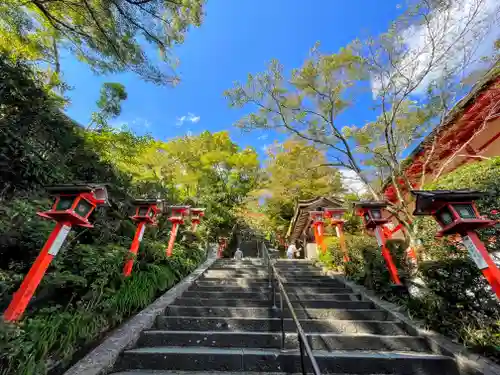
[83, 294]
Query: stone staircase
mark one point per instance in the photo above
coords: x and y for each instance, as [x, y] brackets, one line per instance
[225, 323]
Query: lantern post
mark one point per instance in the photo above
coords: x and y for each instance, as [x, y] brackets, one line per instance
[456, 213]
[373, 219]
[146, 211]
[222, 246]
[72, 206]
[177, 218]
[410, 251]
[319, 229]
[336, 219]
[196, 215]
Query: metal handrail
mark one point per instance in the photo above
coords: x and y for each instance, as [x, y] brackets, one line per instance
[274, 278]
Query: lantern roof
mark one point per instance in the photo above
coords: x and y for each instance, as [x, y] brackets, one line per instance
[99, 191]
[430, 200]
[184, 210]
[70, 188]
[146, 201]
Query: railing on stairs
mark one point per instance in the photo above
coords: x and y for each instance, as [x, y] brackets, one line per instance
[275, 280]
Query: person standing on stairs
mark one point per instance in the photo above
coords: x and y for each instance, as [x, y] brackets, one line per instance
[238, 254]
[292, 249]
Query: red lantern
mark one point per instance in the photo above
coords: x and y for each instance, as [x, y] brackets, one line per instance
[72, 206]
[374, 217]
[318, 228]
[222, 246]
[146, 211]
[456, 213]
[336, 219]
[177, 218]
[196, 215]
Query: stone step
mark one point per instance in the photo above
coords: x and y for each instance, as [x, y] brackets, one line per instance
[245, 283]
[266, 312]
[166, 372]
[325, 304]
[183, 323]
[264, 288]
[236, 267]
[216, 359]
[237, 278]
[316, 278]
[259, 283]
[291, 265]
[268, 340]
[263, 277]
[244, 262]
[266, 296]
[236, 273]
[301, 274]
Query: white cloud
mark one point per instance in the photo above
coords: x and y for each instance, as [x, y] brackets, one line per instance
[466, 27]
[352, 182]
[190, 117]
[263, 137]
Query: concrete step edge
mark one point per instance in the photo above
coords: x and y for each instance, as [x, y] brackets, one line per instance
[277, 352]
[310, 310]
[278, 319]
[257, 333]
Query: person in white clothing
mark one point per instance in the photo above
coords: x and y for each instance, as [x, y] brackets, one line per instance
[292, 249]
[238, 254]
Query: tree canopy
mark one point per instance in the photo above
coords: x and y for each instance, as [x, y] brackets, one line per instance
[294, 170]
[109, 35]
[412, 89]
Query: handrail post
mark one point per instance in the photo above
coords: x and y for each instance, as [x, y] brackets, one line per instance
[282, 315]
[273, 289]
[301, 348]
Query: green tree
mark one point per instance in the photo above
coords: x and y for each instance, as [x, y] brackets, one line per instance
[110, 104]
[307, 104]
[208, 170]
[294, 170]
[214, 172]
[109, 35]
[413, 88]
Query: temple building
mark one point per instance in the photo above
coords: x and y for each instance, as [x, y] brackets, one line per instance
[470, 133]
[300, 230]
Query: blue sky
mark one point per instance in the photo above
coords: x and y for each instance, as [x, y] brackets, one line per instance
[237, 37]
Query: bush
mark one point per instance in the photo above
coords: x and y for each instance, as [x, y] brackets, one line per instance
[366, 264]
[453, 297]
[83, 294]
[458, 300]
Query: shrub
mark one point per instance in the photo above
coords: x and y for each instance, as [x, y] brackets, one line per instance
[97, 298]
[458, 300]
[454, 298]
[366, 264]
